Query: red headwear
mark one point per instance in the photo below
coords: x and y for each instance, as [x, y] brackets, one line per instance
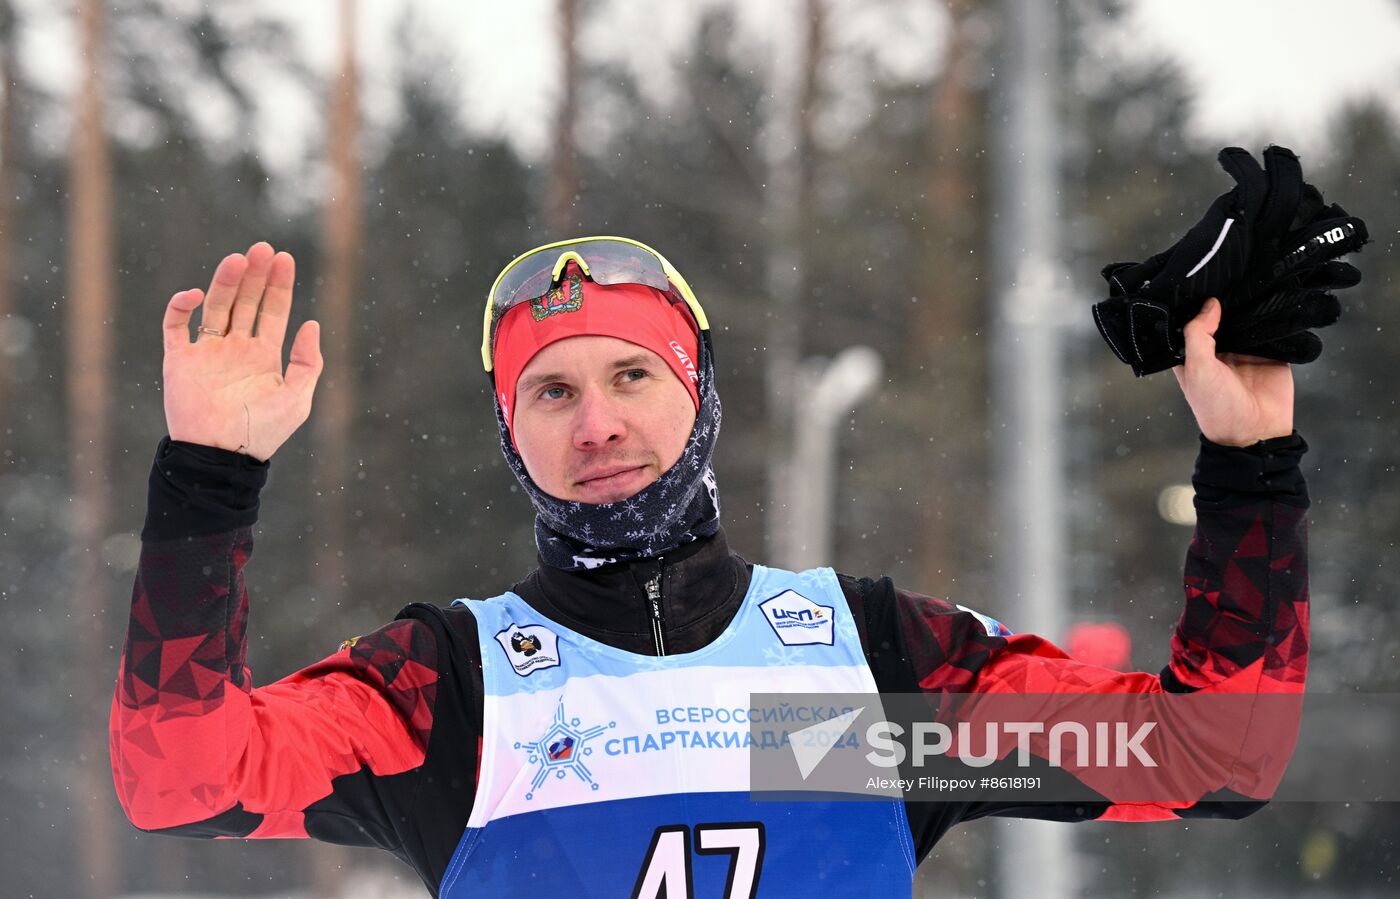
[577, 307]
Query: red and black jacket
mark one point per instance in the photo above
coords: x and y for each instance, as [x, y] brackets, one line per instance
[377, 744]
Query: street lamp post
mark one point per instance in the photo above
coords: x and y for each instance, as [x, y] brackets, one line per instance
[827, 393]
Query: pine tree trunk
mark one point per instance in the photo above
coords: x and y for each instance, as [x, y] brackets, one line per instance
[91, 326]
[947, 331]
[563, 181]
[335, 400]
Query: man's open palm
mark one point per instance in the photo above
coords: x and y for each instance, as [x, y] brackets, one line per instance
[229, 391]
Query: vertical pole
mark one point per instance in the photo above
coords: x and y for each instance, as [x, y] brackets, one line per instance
[789, 200]
[1027, 384]
[8, 77]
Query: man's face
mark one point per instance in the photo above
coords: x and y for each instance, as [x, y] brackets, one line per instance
[598, 418]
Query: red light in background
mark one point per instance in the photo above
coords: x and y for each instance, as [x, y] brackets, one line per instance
[1106, 644]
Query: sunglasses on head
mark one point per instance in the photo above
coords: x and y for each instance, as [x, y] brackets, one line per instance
[603, 260]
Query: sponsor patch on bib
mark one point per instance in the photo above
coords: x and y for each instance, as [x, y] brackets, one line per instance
[798, 621]
[529, 648]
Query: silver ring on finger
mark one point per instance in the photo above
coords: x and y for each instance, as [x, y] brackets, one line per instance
[215, 332]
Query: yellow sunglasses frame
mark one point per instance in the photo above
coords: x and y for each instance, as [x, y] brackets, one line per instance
[566, 256]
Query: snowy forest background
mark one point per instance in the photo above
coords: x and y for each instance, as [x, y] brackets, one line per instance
[113, 198]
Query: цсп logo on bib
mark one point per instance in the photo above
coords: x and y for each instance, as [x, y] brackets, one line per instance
[529, 648]
[797, 620]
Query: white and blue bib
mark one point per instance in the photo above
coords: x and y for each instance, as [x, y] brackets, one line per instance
[608, 773]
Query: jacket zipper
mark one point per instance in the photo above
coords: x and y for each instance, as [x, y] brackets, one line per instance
[658, 621]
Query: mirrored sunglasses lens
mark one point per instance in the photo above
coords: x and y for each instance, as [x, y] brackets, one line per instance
[610, 262]
[528, 279]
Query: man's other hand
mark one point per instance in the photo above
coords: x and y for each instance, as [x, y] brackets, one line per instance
[227, 389]
[1237, 400]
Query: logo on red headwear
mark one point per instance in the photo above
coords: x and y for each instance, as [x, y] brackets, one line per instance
[684, 358]
[558, 300]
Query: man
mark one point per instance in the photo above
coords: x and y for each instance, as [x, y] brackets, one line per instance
[519, 743]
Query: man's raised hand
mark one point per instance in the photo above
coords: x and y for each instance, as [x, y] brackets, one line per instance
[229, 391]
[1237, 400]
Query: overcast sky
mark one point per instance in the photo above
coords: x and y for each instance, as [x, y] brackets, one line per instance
[1263, 69]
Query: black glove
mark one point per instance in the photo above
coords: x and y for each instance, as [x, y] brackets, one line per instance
[1266, 249]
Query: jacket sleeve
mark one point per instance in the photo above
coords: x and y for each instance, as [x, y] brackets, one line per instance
[197, 749]
[1243, 629]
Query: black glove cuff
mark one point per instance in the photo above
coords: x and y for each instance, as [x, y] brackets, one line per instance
[196, 490]
[1228, 475]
